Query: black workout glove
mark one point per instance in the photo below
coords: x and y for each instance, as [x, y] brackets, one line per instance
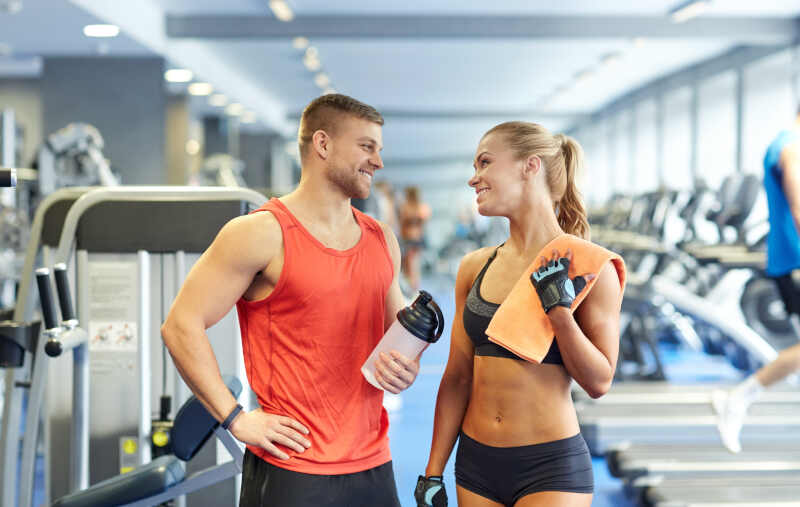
[430, 492]
[554, 286]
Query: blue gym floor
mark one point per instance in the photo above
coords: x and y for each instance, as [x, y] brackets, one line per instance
[411, 413]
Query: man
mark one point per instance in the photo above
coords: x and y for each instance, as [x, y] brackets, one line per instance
[782, 182]
[315, 283]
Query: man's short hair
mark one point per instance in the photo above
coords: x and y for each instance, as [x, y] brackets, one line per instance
[324, 112]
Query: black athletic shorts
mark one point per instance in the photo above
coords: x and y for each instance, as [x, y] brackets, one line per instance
[506, 474]
[790, 292]
[265, 485]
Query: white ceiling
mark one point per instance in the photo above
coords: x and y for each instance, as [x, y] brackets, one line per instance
[503, 78]
[562, 7]
[55, 28]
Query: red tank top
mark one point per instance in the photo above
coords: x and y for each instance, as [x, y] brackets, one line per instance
[304, 345]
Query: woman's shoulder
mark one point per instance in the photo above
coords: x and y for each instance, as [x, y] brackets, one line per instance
[474, 261]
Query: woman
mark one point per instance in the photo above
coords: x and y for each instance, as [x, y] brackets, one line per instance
[413, 215]
[519, 439]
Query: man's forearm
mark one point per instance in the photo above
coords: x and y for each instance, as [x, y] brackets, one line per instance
[194, 358]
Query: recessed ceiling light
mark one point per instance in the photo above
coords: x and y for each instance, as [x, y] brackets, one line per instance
[322, 80]
[5, 49]
[218, 100]
[248, 117]
[281, 10]
[178, 75]
[299, 43]
[234, 109]
[101, 30]
[639, 42]
[689, 10]
[200, 89]
[312, 63]
[192, 146]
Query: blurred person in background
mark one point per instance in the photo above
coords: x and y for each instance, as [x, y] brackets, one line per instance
[387, 205]
[413, 215]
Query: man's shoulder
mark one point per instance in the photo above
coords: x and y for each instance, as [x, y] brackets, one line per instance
[255, 231]
[261, 222]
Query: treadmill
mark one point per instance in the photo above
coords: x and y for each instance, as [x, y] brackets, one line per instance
[702, 461]
[654, 489]
[646, 393]
[765, 495]
[605, 424]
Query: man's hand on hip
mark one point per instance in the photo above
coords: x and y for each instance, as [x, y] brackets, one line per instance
[265, 430]
[396, 372]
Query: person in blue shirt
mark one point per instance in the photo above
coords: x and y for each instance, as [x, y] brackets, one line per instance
[782, 183]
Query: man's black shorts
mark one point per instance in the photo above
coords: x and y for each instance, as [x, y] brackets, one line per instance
[265, 485]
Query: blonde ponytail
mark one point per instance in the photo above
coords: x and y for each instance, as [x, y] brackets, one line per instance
[571, 212]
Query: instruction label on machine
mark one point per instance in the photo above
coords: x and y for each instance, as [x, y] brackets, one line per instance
[113, 306]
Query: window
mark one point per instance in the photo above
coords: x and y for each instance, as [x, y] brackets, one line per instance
[717, 129]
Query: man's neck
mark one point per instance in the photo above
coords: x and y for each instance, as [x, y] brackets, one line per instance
[320, 203]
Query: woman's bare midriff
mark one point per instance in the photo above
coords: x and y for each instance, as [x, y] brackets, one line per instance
[516, 403]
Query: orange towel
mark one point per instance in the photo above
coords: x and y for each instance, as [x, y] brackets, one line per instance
[520, 324]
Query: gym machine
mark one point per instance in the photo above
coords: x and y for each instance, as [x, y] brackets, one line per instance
[115, 299]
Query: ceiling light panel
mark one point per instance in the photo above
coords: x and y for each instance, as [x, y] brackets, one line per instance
[101, 31]
[178, 75]
[218, 100]
[281, 10]
[200, 89]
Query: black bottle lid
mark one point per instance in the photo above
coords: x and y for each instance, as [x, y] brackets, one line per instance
[423, 318]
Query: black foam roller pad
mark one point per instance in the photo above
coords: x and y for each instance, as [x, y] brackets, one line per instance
[8, 177]
[64, 296]
[46, 298]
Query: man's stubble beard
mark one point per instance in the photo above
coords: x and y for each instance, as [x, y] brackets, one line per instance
[347, 182]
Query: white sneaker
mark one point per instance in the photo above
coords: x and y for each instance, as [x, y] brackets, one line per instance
[730, 417]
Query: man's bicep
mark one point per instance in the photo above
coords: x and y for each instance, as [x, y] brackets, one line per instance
[220, 277]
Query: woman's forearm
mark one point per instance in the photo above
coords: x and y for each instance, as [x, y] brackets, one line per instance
[451, 405]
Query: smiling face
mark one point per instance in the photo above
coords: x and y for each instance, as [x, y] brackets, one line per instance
[498, 180]
[355, 156]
